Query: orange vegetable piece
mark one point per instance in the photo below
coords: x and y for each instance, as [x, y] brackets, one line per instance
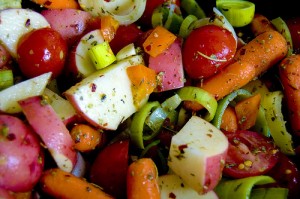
[143, 82]
[142, 180]
[109, 27]
[86, 138]
[229, 120]
[247, 110]
[57, 4]
[158, 41]
[61, 184]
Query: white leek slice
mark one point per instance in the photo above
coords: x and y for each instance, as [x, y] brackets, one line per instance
[124, 11]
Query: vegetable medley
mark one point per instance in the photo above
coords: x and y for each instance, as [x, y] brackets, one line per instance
[148, 99]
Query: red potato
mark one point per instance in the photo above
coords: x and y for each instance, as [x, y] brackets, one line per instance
[75, 24]
[48, 125]
[168, 65]
[5, 58]
[22, 159]
[109, 169]
[5, 194]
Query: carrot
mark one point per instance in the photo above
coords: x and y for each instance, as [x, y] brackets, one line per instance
[229, 120]
[142, 180]
[143, 82]
[109, 27]
[61, 184]
[247, 111]
[261, 24]
[57, 4]
[86, 138]
[289, 72]
[250, 61]
[158, 41]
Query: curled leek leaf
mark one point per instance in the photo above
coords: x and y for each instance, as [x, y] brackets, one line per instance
[240, 188]
[200, 96]
[192, 7]
[238, 13]
[186, 26]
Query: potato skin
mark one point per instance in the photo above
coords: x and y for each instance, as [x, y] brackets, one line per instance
[22, 159]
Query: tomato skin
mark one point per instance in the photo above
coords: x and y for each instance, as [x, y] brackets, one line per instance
[294, 27]
[212, 41]
[41, 51]
[249, 154]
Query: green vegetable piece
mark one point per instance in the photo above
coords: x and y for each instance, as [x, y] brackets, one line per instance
[272, 103]
[6, 79]
[238, 12]
[269, 193]
[282, 27]
[192, 7]
[240, 188]
[207, 100]
[6, 4]
[138, 121]
[186, 26]
[102, 55]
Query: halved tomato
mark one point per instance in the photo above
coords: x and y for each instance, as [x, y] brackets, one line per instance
[249, 154]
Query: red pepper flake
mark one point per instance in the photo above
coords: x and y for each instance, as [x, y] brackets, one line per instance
[172, 195]
[181, 147]
[47, 3]
[148, 48]
[94, 87]
[27, 23]
[107, 0]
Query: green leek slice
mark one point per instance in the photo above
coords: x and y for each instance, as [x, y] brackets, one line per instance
[193, 8]
[269, 193]
[186, 26]
[102, 55]
[238, 12]
[6, 79]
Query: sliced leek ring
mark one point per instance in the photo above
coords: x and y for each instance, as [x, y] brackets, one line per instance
[239, 13]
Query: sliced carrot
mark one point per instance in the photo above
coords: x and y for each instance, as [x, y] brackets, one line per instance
[247, 111]
[142, 180]
[61, 184]
[143, 81]
[158, 41]
[229, 120]
[250, 61]
[289, 71]
[57, 4]
[260, 24]
[109, 27]
[86, 138]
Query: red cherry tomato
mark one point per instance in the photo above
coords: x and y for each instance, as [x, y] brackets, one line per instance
[40, 51]
[109, 169]
[207, 50]
[249, 154]
[294, 27]
[124, 36]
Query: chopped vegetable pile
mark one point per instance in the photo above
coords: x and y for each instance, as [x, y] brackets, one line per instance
[149, 99]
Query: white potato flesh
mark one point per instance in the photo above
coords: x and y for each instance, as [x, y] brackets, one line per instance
[172, 186]
[197, 154]
[10, 96]
[15, 23]
[104, 98]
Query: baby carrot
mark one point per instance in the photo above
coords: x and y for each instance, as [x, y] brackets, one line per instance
[289, 71]
[261, 24]
[57, 4]
[61, 184]
[250, 61]
[142, 180]
[229, 120]
[86, 138]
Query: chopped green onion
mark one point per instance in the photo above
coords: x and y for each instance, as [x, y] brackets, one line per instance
[282, 27]
[6, 79]
[269, 193]
[283, 139]
[193, 8]
[102, 55]
[240, 188]
[238, 12]
[186, 26]
[138, 121]
[200, 96]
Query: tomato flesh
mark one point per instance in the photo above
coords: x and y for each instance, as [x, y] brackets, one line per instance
[41, 51]
[207, 50]
[249, 154]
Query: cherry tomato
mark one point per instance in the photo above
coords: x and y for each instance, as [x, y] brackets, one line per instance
[249, 154]
[207, 50]
[294, 27]
[145, 20]
[40, 51]
[124, 36]
[109, 169]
